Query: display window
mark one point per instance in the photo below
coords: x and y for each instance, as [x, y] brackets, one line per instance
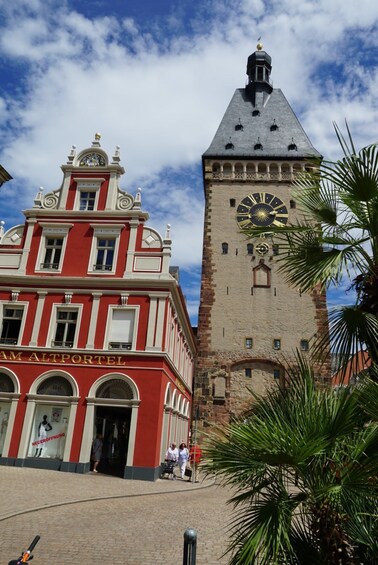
[49, 431]
[4, 419]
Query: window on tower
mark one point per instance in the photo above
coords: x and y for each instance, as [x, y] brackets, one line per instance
[248, 342]
[277, 344]
[274, 126]
[232, 202]
[224, 248]
[248, 372]
[304, 345]
[276, 374]
[293, 204]
[250, 248]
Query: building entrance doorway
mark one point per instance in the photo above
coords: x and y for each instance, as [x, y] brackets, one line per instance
[113, 423]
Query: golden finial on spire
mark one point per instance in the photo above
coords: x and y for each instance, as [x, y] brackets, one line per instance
[97, 136]
[259, 44]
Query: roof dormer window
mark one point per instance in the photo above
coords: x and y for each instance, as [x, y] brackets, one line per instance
[256, 113]
[239, 126]
[292, 146]
[229, 145]
[274, 126]
[258, 145]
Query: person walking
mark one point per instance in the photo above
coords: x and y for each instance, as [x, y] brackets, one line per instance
[96, 451]
[183, 457]
[172, 457]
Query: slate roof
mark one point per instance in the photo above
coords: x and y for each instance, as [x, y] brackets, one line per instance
[275, 144]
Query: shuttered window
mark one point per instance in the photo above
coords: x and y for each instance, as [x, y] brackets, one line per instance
[121, 329]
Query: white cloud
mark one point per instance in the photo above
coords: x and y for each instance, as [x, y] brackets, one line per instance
[161, 96]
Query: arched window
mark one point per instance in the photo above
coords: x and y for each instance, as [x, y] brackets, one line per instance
[6, 383]
[116, 389]
[227, 170]
[250, 248]
[224, 248]
[55, 386]
[51, 418]
[261, 275]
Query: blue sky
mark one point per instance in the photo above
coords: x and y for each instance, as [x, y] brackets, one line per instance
[156, 78]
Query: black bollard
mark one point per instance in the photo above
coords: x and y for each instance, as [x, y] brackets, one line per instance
[190, 546]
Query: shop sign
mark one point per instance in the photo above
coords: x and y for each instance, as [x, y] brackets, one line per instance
[63, 358]
[179, 385]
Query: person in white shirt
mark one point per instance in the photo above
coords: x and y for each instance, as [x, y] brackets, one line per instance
[183, 456]
[172, 456]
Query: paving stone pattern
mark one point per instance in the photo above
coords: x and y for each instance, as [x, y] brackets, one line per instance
[100, 519]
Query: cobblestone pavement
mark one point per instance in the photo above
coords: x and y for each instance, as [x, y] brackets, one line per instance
[106, 520]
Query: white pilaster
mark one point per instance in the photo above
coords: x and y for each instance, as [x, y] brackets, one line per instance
[93, 321]
[131, 249]
[38, 318]
[25, 252]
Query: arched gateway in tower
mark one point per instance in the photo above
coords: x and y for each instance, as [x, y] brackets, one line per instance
[249, 319]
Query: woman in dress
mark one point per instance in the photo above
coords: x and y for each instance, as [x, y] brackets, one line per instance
[183, 456]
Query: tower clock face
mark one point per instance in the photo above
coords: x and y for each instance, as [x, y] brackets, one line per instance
[261, 209]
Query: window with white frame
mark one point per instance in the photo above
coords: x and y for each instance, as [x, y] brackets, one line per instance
[104, 249]
[11, 324]
[104, 255]
[52, 247]
[277, 344]
[87, 200]
[65, 328]
[87, 193]
[121, 328]
[53, 253]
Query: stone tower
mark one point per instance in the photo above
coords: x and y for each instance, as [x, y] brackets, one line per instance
[249, 318]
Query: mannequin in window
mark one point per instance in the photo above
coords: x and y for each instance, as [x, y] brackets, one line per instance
[3, 430]
[43, 428]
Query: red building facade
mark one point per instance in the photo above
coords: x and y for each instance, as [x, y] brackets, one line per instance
[95, 336]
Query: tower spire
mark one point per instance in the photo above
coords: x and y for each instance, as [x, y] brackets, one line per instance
[259, 67]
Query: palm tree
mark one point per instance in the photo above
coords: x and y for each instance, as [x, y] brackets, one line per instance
[337, 238]
[304, 465]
